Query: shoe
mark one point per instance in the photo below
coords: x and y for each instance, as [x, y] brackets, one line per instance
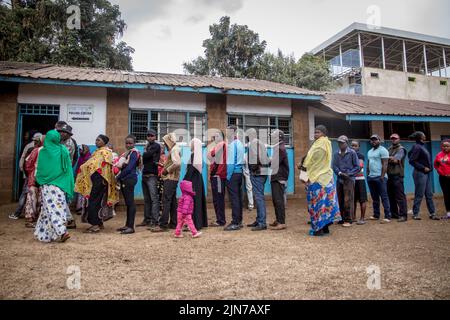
[64, 237]
[232, 227]
[374, 218]
[361, 222]
[252, 225]
[384, 221]
[259, 228]
[71, 225]
[250, 208]
[197, 235]
[402, 219]
[143, 224]
[127, 231]
[13, 216]
[434, 217]
[417, 218]
[159, 229]
[279, 226]
[178, 236]
[346, 224]
[341, 222]
[215, 225]
[273, 224]
[121, 229]
[240, 225]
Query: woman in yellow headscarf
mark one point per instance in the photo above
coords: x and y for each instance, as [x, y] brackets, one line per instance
[96, 181]
[323, 205]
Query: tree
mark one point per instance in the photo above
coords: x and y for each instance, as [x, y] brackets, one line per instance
[37, 31]
[236, 51]
[232, 51]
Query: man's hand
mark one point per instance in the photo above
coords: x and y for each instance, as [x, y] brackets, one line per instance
[426, 169]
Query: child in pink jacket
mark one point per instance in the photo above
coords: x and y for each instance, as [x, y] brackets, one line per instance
[185, 209]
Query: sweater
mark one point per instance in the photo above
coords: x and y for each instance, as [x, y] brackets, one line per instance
[419, 157]
[150, 159]
[442, 164]
[279, 163]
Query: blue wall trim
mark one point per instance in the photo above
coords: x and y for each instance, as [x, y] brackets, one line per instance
[370, 117]
[161, 88]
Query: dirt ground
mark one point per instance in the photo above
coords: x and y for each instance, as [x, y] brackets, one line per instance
[413, 257]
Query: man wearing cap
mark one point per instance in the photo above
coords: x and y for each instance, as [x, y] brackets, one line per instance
[150, 159]
[396, 173]
[378, 158]
[346, 165]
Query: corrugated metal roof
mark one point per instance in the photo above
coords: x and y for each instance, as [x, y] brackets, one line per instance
[55, 72]
[371, 105]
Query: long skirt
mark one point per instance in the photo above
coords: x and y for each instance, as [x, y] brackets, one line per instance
[323, 207]
[33, 204]
[51, 224]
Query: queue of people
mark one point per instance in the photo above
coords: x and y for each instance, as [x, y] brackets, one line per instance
[57, 174]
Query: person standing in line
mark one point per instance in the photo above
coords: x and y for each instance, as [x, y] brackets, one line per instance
[150, 159]
[346, 166]
[127, 179]
[218, 177]
[85, 154]
[442, 165]
[360, 186]
[279, 166]
[170, 176]
[258, 164]
[378, 158]
[420, 159]
[248, 181]
[235, 163]
[395, 185]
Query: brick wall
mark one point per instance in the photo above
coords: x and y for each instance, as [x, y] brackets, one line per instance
[377, 127]
[8, 118]
[117, 101]
[300, 127]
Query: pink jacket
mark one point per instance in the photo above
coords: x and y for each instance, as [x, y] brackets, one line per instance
[186, 202]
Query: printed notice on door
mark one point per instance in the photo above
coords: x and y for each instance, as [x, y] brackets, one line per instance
[80, 113]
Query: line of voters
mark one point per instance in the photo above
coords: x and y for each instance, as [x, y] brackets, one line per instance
[58, 174]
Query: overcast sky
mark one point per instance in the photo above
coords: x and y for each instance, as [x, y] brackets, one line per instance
[165, 33]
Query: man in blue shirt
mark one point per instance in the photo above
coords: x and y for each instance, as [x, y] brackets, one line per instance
[378, 158]
[346, 166]
[235, 162]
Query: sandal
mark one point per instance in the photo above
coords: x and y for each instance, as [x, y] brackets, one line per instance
[64, 237]
[93, 229]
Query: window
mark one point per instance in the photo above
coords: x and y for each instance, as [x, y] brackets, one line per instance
[338, 127]
[186, 124]
[405, 129]
[264, 125]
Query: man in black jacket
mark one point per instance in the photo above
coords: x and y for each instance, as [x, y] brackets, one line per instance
[150, 160]
[279, 178]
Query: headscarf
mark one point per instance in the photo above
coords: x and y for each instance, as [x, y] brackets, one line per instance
[54, 165]
[197, 150]
[104, 138]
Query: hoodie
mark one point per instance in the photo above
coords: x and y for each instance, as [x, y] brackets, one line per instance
[173, 162]
[186, 202]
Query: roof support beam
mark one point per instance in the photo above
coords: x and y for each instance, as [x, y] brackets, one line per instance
[361, 56]
[382, 53]
[425, 62]
[445, 61]
[405, 65]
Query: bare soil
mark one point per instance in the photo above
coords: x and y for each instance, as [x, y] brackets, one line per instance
[413, 257]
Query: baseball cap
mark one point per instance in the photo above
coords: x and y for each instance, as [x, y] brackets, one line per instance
[343, 139]
[395, 136]
[375, 137]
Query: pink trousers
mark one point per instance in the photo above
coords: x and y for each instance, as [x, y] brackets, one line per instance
[182, 220]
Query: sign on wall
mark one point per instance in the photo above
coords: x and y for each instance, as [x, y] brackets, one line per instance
[80, 113]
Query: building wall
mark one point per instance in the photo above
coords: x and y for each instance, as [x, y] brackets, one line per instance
[168, 100]
[84, 132]
[257, 105]
[301, 130]
[117, 117]
[395, 84]
[8, 119]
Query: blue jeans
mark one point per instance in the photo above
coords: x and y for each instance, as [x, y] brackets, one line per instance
[258, 190]
[151, 199]
[422, 183]
[378, 190]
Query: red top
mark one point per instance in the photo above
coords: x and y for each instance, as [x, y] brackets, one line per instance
[442, 163]
[219, 165]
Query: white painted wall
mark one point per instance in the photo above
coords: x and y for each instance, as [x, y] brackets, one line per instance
[168, 100]
[258, 105]
[84, 132]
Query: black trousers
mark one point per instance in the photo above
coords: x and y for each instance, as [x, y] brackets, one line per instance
[170, 204]
[346, 197]
[234, 186]
[127, 188]
[278, 201]
[397, 197]
[98, 191]
[218, 194]
[445, 186]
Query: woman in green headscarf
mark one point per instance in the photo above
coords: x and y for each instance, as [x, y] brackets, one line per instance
[55, 176]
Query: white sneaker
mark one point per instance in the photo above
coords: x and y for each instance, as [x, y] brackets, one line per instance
[197, 235]
[347, 225]
[13, 216]
[384, 221]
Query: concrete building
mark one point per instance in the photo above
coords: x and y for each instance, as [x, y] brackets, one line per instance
[94, 101]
